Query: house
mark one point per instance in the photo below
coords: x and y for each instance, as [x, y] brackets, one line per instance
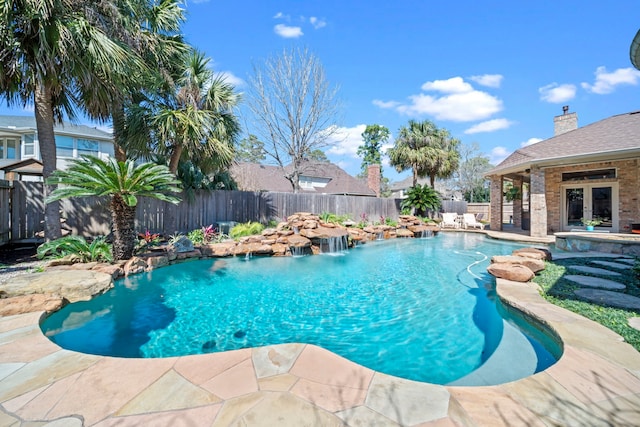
[19, 143]
[592, 172]
[316, 177]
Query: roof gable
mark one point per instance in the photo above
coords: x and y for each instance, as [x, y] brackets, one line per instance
[25, 123]
[616, 134]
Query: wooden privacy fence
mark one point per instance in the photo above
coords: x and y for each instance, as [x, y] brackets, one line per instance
[90, 216]
[5, 212]
[22, 210]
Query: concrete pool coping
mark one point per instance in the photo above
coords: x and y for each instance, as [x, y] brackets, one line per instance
[595, 382]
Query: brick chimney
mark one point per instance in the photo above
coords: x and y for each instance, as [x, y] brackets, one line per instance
[564, 123]
[373, 178]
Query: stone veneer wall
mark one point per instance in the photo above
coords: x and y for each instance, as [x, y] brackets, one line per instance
[628, 179]
[538, 204]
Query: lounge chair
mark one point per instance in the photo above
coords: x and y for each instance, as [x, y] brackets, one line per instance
[449, 220]
[469, 220]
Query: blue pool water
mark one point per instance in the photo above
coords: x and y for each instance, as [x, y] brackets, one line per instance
[422, 309]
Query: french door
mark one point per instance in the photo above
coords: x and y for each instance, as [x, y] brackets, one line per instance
[590, 201]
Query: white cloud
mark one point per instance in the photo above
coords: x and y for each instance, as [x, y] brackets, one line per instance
[489, 80]
[458, 107]
[556, 93]
[498, 154]
[281, 15]
[231, 78]
[606, 82]
[317, 22]
[288, 32]
[452, 85]
[489, 126]
[459, 102]
[385, 104]
[345, 141]
[530, 141]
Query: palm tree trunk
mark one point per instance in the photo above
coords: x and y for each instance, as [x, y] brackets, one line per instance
[117, 116]
[415, 175]
[432, 181]
[175, 158]
[124, 235]
[47, 143]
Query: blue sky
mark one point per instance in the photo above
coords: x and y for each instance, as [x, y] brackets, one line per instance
[492, 73]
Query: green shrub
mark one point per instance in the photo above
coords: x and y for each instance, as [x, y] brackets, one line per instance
[422, 199]
[247, 229]
[196, 236]
[331, 218]
[97, 250]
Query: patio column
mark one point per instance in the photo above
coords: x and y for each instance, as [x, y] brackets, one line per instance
[517, 204]
[538, 204]
[496, 202]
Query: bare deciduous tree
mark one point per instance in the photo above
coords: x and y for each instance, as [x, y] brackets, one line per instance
[294, 109]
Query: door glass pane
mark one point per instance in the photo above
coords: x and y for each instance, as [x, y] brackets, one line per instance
[575, 197]
[601, 201]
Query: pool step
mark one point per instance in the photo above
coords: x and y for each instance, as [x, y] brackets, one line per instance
[514, 358]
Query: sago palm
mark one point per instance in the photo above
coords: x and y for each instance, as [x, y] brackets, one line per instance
[123, 182]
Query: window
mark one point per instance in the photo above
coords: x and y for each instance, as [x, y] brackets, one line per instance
[88, 148]
[64, 146]
[9, 148]
[29, 145]
[67, 146]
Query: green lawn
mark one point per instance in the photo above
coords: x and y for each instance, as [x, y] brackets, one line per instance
[559, 291]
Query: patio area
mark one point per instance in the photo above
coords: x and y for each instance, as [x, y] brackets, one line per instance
[595, 383]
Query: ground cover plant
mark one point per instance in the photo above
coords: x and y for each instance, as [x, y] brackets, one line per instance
[559, 291]
[246, 229]
[96, 250]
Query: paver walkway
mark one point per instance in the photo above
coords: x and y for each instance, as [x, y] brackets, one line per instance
[618, 265]
[594, 282]
[614, 299]
[593, 270]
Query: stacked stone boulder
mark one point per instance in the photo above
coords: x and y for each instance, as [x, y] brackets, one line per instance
[301, 233]
[521, 266]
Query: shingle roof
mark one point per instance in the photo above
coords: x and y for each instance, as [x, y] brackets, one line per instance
[29, 122]
[257, 177]
[616, 134]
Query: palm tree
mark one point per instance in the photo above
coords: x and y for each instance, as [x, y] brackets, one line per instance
[191, 118]
[54, 55]
[153, 33]
[123, 182]
[426, 150]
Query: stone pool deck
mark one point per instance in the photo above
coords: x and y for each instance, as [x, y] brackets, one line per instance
[595, 383]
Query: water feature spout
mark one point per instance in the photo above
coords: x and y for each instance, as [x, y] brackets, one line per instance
[334, 245]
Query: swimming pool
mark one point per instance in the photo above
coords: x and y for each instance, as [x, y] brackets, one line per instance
[422, 309]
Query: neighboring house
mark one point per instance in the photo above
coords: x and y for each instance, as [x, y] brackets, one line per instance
[316, 177]
[592, 172]
[399, 189]
[19, 142]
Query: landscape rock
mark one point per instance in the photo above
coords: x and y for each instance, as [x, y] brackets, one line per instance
[537, 253]
[404, 232]
[114, 270]
[156, 261]
[222, 249]
[30, 303]
[190, 254]
[134, 266]
[72, 285]
[534, 265]
[323, 233]
[182, 244]
[513, 272]
[65, 260]
[298, 241]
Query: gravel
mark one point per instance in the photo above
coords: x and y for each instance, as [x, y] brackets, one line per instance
[17, 260]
